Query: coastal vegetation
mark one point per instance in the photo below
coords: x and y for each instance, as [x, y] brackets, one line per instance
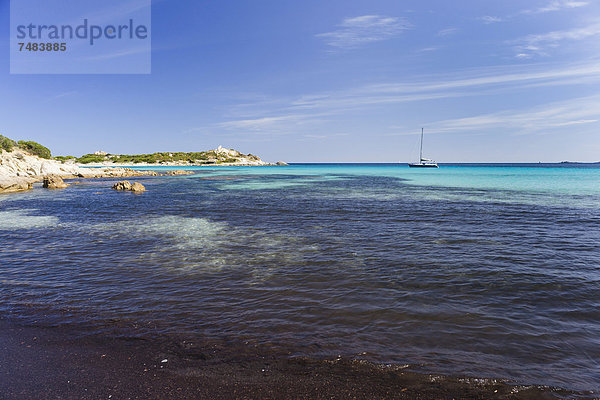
[64, 158]
[6, 143]
[31, 147]
[217, 156]
[35, 148]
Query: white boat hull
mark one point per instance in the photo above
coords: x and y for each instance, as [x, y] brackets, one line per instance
[416, 165]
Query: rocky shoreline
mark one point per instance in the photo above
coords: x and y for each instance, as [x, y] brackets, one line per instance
[182, 164]
[216, 157]
[19, 170]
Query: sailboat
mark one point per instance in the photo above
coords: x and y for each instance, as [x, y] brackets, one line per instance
[423, 162]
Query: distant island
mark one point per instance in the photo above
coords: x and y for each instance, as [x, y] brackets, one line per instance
[578, 162]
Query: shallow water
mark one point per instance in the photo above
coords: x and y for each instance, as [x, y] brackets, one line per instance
[476, 270]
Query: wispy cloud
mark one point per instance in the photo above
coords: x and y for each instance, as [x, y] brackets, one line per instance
[427, 49]
[118, 54]
[312, 110]
[257, 124]
[359, 31]
[103, 14]
[476, 82]
[64, 94]
[490, 19]
[280, 122]
[447, 32]
[579, 111]
[556, 5]
[539, 44]
[327, 136]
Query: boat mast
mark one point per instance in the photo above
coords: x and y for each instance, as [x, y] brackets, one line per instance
[421, 153]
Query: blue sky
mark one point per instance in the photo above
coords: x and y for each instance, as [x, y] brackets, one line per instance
[335, 81]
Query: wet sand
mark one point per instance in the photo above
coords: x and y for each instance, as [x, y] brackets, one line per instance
[57, 363]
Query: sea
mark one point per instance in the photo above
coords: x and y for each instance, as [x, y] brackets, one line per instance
[481, 270]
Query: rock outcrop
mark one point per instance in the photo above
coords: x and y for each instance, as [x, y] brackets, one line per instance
[122, 185]
[113, 172]
[137, 187]
[10, 184]
[219, 156]
[179, 172]
[19, 170]
[19, 163]
[128, 186]
[54, 182]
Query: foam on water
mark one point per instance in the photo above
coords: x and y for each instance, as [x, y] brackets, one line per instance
[195, 244]
[23, 219]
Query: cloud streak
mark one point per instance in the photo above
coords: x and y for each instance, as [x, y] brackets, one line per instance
[556, 5]
[539, 44]
[257, 124]
[119, 54]
[580, 111]
[447, 32]
[490, 19]
[313, 110]
[359, 31]
[477, 82]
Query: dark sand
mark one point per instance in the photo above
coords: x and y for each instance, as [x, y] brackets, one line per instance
[57, 363]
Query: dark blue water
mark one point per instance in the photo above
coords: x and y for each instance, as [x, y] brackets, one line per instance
[479, 270]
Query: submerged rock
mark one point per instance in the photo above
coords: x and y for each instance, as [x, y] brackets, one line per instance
[54, 182]
[128, 186]
[137, 187]
[117, 172]
[122, 185]
[179, 172]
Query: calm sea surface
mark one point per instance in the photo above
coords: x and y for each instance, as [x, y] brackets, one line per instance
[482, 270]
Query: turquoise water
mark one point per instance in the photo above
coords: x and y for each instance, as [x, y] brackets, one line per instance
[485, 271]
[571, 185]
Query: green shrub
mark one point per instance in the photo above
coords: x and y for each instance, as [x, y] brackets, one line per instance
[136, 159]
[6, 143]
[64, 158]
[90, 158]
[35, 149]
[157, 158]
